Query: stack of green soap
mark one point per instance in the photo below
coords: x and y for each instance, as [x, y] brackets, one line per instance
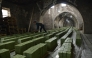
[4, 53]
[19, 56]
[36, 51]
[51, 43]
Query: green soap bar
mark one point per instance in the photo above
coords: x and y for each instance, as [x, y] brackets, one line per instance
[8, 45]
[44, 50]
[66, 47]
[34, 52]
[51, 39]
[62, 40]
[59, 35]
[13, 39]
[39, 40]
[36, 36]
[78, 42]
[68, 40]
[25, 39]
[64, 54]
[68, 54]
[19, 56]
[28, 50]
[30, 54]
[78, 39]
[2, 46]
[9, 39]
[4, 53]
[60, 55]
[23, 46]
[51, 43]
[49, 36]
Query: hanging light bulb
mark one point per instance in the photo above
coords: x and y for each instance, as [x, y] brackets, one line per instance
[63, 4]
[52, 6]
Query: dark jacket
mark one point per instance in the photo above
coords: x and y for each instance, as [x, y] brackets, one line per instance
[39, 25]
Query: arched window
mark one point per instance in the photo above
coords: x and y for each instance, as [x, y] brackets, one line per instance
[5, 12]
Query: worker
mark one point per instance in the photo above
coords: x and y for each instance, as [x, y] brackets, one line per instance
[39, 26]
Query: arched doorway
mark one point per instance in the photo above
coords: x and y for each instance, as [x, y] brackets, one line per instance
[66, 11]
[65, 19]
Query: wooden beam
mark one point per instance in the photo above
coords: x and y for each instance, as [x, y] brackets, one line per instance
[30, 20]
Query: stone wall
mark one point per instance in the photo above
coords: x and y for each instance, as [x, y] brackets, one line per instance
[85, 9]
[22, 13]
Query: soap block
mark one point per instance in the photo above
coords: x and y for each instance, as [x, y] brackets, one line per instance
[4, 53]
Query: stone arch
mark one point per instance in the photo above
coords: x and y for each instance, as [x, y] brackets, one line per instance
[62, 19]
[52, 13]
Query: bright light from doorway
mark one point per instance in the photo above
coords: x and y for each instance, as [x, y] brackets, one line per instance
[6, 12]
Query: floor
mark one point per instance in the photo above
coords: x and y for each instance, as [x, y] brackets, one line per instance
[54, 54]
[87, 47]
[85, 51]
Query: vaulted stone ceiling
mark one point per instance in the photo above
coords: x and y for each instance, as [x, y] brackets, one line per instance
[22, 2]
[34, 1]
